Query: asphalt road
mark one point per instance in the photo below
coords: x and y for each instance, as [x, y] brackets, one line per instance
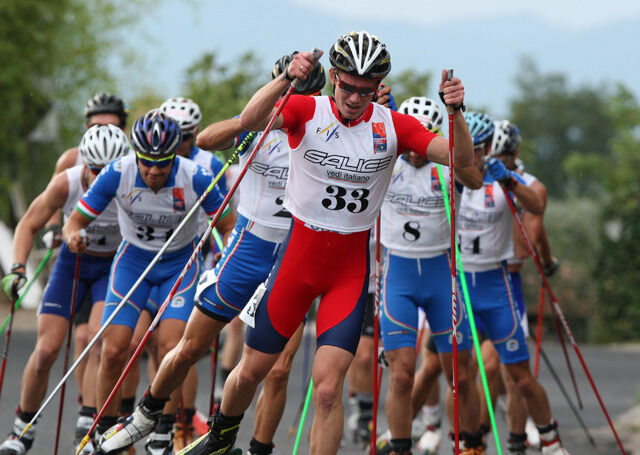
[614, 369]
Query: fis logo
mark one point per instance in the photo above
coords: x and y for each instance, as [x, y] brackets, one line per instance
[435, 180]
[330, 131]
[178, 199]
[133, 196]
[379, 137]
[272, 146]
[489, 201]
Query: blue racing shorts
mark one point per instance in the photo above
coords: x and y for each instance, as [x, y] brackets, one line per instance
[412, 283]
[128, 265]
[245, 263]
[516, 282]
[494, 304]
[92, 282]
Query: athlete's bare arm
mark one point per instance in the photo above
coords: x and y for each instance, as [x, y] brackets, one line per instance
[46, 204]
[219, 135]
[71, 232]
[66, 161]
[261, 107]
[529, 199]
[469, 176]
[226, 224]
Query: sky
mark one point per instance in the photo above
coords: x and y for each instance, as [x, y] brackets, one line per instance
[591, 42]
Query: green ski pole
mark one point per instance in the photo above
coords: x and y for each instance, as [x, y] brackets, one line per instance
[472, 322]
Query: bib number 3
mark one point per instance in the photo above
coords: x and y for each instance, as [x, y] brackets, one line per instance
[355, 201]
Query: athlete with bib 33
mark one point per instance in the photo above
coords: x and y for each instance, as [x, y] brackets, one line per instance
[343, 149]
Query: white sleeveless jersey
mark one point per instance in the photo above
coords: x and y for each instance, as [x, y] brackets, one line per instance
[528, 180]
[147, 219]
[414, 218]
[263, 186]
[485, 228]
[104, 232]
[338, 181]
[79, 158]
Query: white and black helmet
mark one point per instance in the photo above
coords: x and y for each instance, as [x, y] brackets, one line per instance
[102, 144]
[184, 111]
[506, 138]
[361, 54]
[424, 109]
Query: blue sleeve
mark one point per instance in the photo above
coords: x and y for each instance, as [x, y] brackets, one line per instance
[216, 167]
[238, 140]
[201, 181]
[103, 190]
[392, 103]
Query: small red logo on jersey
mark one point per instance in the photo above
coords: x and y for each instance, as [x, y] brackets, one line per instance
[435, 180]
[178, 199]
[489, 201]
[379, 137]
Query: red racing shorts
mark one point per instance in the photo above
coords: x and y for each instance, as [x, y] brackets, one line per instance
[314, 262]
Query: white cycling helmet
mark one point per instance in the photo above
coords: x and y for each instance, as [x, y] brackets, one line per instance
[184, 111]
[506, 138]
[102, 144]
[424, 109]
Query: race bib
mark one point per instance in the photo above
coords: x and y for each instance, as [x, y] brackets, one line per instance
[248, 313]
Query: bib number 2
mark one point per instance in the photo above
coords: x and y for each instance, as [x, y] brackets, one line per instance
[355, 201]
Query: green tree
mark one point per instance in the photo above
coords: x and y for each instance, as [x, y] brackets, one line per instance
[565, 131]
[409, 83]
[223, 89]
[618, 259]
[54, 60]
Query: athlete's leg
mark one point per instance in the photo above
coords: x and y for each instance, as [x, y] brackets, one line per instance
[360, 381]
[198, 335]
[532, 391]
[52, 330]
[426, 389]
[491, 362]
[232, 348]
[329, 370]
[273, 397]
[113, 357]
[402, 363]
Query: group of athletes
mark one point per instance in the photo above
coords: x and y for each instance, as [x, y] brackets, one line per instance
[302, 232]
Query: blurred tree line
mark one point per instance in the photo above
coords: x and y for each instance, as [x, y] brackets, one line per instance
[583, 143]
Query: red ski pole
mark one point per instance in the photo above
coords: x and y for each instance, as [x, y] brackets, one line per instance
[556, 308]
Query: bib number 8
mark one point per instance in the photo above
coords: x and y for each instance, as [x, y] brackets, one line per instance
[357, 199]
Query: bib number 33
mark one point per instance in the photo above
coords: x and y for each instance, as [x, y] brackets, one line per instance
[355, 201]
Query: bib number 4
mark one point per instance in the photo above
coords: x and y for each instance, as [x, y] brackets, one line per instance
[354, 201]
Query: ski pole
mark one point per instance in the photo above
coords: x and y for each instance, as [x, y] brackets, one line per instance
[566, 396]
[305, 392]
[124, 300]
[214, 364]
[72, 313]
[191, 260]
[304, 416]
[454, 285]
[556, 307]
[536, 368]
[474, 330]
[27, 286]
[377, 372]
[5, 351]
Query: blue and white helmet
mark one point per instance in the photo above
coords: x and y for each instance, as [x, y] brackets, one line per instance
[480, 126]
[102, 144]
[156, 134]
[506, 138]
[426, 110]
